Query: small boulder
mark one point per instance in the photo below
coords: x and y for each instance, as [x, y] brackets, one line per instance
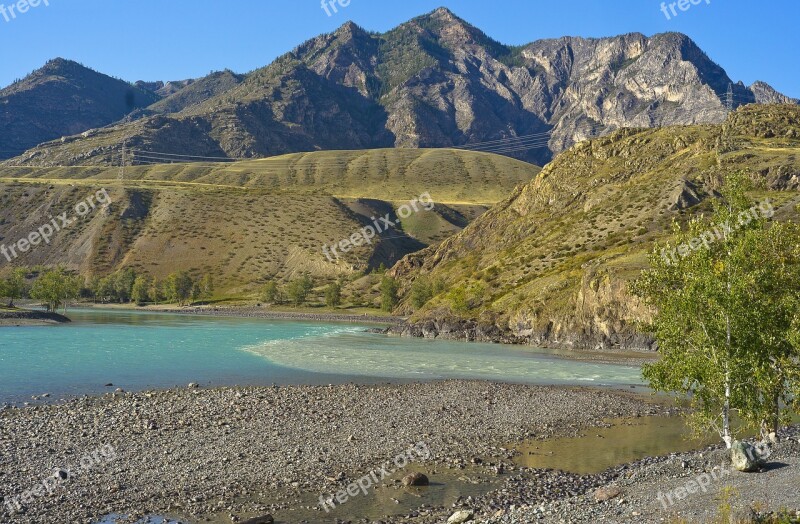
[746, 457]
[606, 493]
[415, 479]
[461, 516]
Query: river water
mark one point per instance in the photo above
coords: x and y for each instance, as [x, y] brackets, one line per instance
[139, 350]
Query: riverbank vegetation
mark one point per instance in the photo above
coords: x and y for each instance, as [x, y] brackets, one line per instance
[726, 317]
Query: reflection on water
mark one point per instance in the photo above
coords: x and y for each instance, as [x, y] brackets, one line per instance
[627, 440]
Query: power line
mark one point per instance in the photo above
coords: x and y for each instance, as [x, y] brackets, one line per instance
[191, 156]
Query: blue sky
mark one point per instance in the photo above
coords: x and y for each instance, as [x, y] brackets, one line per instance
[176, 39]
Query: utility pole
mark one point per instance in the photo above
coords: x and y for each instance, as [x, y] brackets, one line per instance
[730, 98]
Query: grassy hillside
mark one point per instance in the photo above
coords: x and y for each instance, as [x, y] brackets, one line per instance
[250, 221]
[388, 174]
[550, 263]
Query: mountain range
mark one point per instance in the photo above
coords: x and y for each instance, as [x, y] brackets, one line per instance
[433, 82]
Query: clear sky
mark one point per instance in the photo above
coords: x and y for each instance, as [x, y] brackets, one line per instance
[176, 39]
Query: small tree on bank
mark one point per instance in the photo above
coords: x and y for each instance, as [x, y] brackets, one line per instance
[723, 316]
[389, 299]
[13, 287]
[55, 287]
[298, 290]
[141, 290]
[179, 287]
[271, 293]
[333, 295]
[421, 292]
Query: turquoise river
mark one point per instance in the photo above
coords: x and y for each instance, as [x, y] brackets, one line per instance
[138, 350]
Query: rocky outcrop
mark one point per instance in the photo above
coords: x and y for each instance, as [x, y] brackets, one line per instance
[435, 81]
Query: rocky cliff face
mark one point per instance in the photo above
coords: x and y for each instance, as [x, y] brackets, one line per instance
[435, 81]
[550, 265]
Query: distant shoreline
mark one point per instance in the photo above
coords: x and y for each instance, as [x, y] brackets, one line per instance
[257, 312]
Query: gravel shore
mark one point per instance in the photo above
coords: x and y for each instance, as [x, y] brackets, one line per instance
[229, 454]
[224, 455]
[667, 489]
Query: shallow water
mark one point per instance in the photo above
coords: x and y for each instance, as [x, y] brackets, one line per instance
[446, 486]
[138, 350]
[598, 449]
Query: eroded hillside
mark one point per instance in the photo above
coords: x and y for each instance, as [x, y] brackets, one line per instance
[251, 221]
[550, 264]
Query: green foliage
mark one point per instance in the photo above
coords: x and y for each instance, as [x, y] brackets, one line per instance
[140, 293]
[389, 288]
[421, 292]
[726, 498]
[13, 287]
[55, 287]
[179, 287]
[157, 292]
[271, 293]
[333, 295]
[723, 316]
[123, 284]
[458, 299]
[298, 290]
[206, 287]
[466, 297]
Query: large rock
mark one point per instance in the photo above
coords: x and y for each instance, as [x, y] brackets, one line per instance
[606, 493]
[415, 479]
[459, 517]
[746, 457]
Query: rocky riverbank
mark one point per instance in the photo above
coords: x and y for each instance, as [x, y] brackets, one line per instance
[231, 454]
[235, 453]
[574, 340]
[24, 317]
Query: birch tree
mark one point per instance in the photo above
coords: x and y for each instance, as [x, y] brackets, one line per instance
[722, 314]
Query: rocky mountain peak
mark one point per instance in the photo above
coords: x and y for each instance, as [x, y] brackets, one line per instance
[349, 29]
[434, 81]
[766, 94]
[449, 29]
